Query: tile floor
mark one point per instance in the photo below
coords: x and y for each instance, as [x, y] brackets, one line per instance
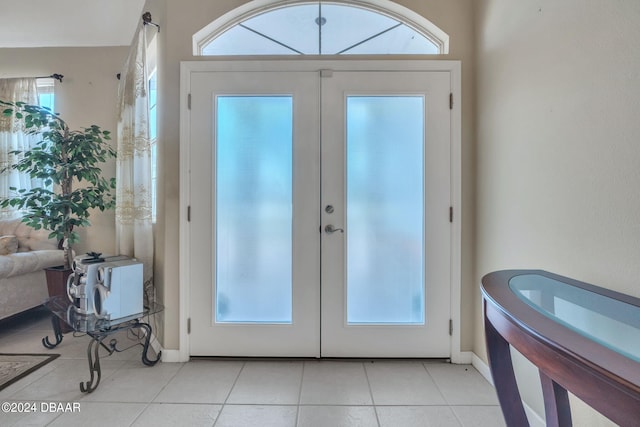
[220, 393]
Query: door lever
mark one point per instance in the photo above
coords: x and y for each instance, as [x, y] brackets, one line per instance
[330, 229]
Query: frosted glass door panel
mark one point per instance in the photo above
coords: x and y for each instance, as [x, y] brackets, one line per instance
[254, 209]
[385, 210]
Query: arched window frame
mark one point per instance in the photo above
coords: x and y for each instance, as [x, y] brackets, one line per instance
[393, 10]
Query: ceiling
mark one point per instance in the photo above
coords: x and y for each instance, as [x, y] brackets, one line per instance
[43, 23]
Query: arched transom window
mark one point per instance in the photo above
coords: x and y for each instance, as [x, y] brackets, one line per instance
[271, 27]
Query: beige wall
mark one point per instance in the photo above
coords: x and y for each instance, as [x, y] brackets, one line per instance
[182, 18]
[558, 103]
[86, 96]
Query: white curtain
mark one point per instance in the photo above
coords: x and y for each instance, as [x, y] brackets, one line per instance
[13, 136]
[134, 227]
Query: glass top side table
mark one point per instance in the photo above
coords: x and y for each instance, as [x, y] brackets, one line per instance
[62, 310]
[583, 339]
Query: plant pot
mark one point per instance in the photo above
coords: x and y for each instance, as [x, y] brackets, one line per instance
[57, 286]
[57, 280]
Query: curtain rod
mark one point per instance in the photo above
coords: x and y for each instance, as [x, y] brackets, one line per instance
[52, 76]
[146, 19]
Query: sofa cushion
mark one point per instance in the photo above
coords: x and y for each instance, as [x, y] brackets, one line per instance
[29, 239]
[33, 240]
[8, 245]
[27, 262]
[6, 265]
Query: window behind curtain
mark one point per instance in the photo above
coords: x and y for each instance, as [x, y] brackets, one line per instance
[46, 95]
[46, 98]
[31, 91]
[152, 61]
[153, 136]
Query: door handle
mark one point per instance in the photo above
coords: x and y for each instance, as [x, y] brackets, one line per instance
[329, 229]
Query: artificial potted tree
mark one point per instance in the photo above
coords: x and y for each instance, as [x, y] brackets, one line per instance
[67, 163]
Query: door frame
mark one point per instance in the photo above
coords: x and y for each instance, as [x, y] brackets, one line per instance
[189, 67]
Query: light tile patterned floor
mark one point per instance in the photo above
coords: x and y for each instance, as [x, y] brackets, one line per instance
[237, 393]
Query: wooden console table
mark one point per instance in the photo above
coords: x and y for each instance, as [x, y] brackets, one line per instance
[583, 338]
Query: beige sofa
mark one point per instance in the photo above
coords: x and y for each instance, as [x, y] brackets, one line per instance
[24, 253]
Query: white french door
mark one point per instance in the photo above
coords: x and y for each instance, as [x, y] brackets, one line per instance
[385, 172]
[254, 214]
[319, 222]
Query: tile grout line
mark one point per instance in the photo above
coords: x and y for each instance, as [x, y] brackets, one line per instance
[235, 381]
[373, 401]
[446, 401]
[148, 404]
[304, 363]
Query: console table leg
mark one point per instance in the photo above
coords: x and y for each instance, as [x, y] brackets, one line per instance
[504, 378]
[556, 403]
[145, 358]
[55, 322]
[94, 366]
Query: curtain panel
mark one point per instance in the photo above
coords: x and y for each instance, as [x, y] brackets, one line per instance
[13, 136]
[134, 227]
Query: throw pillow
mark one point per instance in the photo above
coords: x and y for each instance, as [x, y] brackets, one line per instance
[8, 245]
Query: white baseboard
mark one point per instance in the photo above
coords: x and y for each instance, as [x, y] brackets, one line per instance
[535, 420]
[155, 344]
[172, 356]
[168, 356]
[481, 367]
[462, 358]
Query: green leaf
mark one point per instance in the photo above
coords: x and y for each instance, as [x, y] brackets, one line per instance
[61, 158]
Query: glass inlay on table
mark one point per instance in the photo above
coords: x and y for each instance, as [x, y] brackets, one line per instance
[99, 329]
[605, 320]
[582, 338]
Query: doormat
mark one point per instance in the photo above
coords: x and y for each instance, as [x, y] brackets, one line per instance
[15, 366]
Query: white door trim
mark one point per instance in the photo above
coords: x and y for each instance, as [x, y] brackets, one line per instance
[188, 67]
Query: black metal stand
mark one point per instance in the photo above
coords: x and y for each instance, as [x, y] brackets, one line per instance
[93, 350]
[55, 322]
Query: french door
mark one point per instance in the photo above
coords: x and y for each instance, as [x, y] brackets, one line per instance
[319, 222]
